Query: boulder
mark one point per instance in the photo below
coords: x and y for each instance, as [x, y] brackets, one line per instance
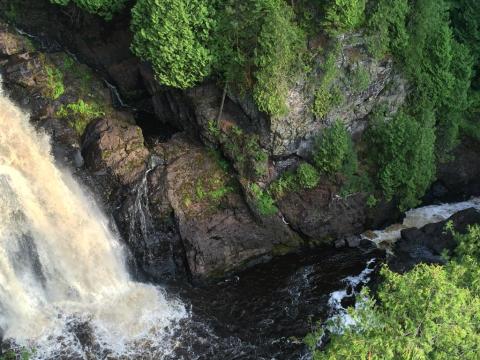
[12, 43]
[322, 216]
[115, 148]
[426, 245]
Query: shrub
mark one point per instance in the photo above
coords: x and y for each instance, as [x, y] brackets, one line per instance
[263, 201]
[173, 35]
[307, 176]
[280, 45]
[344, 15]
[104, 8]
[360, 78]
[334, 149]
[328, 96]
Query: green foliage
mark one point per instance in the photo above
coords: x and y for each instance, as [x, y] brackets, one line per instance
[307, 176]
[54, 84]
[344, 15]
[327, 95]
[360, 78]
[259, 48]
[250, 159]
[403, 150]
[387, 29]
[80, 114]
[263, 201]
[280, 44]
[334, 150]
[104, 8]
[431, 312]
[466, 28]
[17, 354]
[173, 36]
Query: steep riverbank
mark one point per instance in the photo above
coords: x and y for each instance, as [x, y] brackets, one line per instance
[192, 190]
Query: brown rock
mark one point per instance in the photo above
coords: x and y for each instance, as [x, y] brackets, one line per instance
[322, 216]
[218, 231]
[116, 148]
[12, 43]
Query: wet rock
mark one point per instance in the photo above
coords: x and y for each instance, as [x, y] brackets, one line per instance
[218, 230]
[115, 147]
[426, 245]
[353, 241]
[12, 43]
[321, 216]
[348, 301]
[339, 243]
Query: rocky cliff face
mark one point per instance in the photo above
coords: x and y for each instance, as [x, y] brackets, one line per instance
[185, 202]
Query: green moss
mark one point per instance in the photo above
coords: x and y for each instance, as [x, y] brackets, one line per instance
[263, 200]
[80, 114]
[54, 85]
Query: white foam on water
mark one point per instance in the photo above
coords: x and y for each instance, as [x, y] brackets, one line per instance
[61, 266]
[418, 218]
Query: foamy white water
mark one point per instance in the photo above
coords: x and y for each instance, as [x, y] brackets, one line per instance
[59, 262]
[418, 218]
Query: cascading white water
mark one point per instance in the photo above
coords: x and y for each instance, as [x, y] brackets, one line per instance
[60, 263]
[417, 218]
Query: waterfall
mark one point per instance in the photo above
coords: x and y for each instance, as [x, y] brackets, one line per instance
[60, 263]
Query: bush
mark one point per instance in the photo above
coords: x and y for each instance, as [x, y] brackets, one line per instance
[360, 78]
[307, 176]
[334, 149]
[263, 201]
[54, 85]
[280, 45]
[173, 36]
[104, 8]
[328, 96]
[344, 15]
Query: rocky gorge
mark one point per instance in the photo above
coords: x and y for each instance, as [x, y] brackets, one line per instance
[174, 169]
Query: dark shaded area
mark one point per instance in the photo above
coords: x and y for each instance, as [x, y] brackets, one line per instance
[427, 244]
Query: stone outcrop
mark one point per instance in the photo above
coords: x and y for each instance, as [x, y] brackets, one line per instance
[117, 148]
[218, 231]
[322, 216]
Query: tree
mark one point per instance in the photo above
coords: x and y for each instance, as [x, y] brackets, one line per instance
[402, 149]
[104, 8]
[431, 312]
[259, 49]
[344, 15]
[173, 36]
